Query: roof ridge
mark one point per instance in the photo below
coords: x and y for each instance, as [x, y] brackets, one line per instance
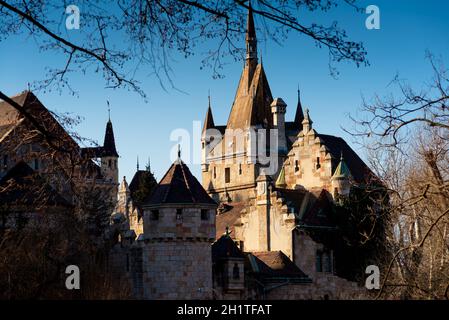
[187, 181]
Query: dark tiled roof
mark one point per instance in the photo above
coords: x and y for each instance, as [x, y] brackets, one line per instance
[225, 247]
[29, 102]
[299, 116]
[228, 218]
[209, 120]
[22, 186]
[4, 129]
[320, 213]
[109, 149]
[275, 264]
[179, 186]
[138, 180]
[337, 146]
[294, 198]
[254, 108]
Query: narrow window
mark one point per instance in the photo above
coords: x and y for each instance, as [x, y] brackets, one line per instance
[215, 172]
[5, 161]
[179, 214]
[154, 215]
[318, 261]
[240, 168]
[296, 165]
[204, 214]
[235, 272]
[227, 175]
[202, 145]
[318, 165]
[36, 164]
[327, 261]
[110, 163]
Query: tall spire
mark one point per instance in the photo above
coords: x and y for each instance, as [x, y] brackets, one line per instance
[251, 40]
[109, 149]
[299, 117]
[209, 120]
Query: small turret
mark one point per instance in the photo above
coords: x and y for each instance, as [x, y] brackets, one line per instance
[341, 179]
[279, 108]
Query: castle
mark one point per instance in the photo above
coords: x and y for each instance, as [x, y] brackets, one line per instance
[273, 185]
[261, 223]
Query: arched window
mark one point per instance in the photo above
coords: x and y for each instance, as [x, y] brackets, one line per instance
[236, 271]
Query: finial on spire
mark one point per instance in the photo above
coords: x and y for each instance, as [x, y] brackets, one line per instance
[208, 97]
[148, 165]
[179, 151]
[137, 163]
[341, 155]
[109, 110]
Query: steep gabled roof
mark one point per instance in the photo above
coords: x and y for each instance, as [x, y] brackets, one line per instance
[109, 149]
[179, 186]
[252, 101]
[228, 218]
[338, 147]
[209, 120]
[29, 102]
[275, 264]
[224, 248]
[320, 213]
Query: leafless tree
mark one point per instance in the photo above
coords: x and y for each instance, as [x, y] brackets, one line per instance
[117, 39]
[408, 138]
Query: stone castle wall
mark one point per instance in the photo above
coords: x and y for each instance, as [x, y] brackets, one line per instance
[177, 270]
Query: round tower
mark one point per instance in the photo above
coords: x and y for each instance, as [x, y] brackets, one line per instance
[179, 227]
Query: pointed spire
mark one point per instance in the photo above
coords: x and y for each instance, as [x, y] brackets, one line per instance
[280, 182]
[148, 167]
[124, 185]
[342, 171]
[209, 120]
[251, 40]
[109, 149]
[299, 117]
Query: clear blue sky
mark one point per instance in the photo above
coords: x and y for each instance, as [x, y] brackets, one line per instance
[408, 29]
